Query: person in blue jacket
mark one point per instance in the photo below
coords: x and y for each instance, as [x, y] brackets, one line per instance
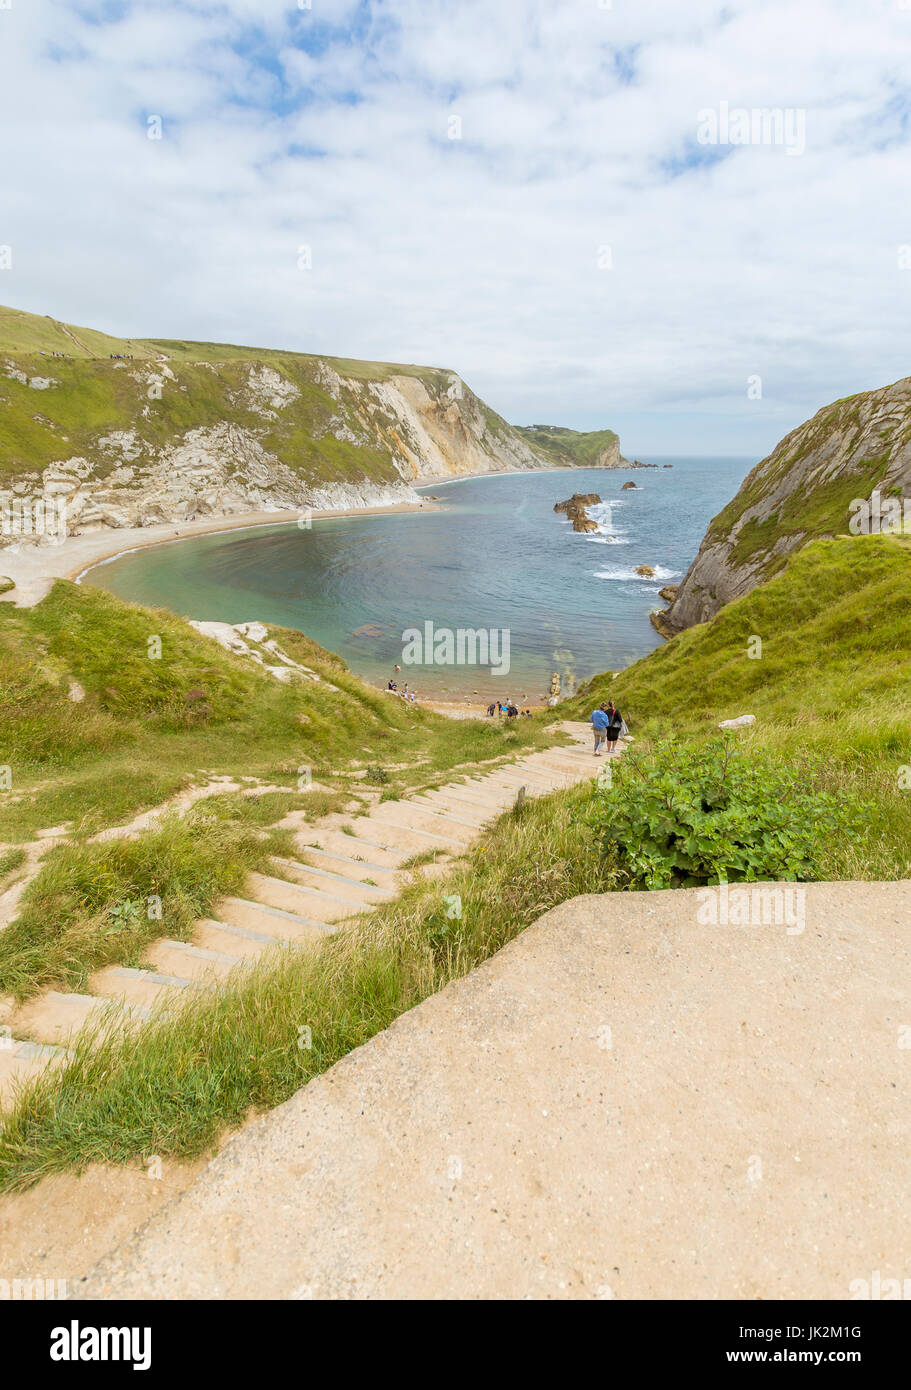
[600, 722]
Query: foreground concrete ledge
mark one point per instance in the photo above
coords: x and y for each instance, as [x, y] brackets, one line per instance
[628, 1101]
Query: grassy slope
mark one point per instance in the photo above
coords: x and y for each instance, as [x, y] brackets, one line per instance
[835, 628]
[21, 332]
[568, 447]
[834, 679]
[33, 333]
[147, 726]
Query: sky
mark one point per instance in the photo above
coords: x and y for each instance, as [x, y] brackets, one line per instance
[569, 203]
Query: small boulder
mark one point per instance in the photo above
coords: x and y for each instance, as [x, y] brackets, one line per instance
[626, 487]
[646, 571]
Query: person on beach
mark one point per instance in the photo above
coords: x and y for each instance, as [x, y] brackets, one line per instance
[600, 722]
[615, 724]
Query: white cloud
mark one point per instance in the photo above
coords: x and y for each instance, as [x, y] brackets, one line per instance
[330, 127]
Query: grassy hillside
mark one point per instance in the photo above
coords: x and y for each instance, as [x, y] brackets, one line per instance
[830, 687]
[146, 727]
[570, 448]
[21, 332]
[836, 641]
[33, 333]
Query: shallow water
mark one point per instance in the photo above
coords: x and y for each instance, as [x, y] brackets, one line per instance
[495, 556]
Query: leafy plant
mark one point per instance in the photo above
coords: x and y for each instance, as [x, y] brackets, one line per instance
[691, 814]
[124, 915]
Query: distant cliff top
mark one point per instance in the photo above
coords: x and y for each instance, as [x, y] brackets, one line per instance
[572, 448]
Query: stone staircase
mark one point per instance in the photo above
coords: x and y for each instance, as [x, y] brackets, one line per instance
[344, 866]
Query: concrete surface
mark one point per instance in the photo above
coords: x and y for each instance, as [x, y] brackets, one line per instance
[624, 1102]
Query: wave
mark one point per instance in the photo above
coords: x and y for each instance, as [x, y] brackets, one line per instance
[661, 575]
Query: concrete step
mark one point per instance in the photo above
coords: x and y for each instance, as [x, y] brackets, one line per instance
[404, 840]
[531, 778]
[555, 767]
[239, 941]
[506, 784]
[299, 898]
[194, 962]
[371, 850]
[405, 815]
[21, 1062]
[571, 762]
[349, 889]
[450, 809]
[144, 987]
[474, 796]
[357, 868]
[56, 1017]
[272, 921]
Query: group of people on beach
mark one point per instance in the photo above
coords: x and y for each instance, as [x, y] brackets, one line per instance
[608, 725]
[409, 696]
[506, 708]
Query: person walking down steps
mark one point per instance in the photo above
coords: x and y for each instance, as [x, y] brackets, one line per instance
[600, 722]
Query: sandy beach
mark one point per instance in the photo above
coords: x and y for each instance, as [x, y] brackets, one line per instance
[34, 568]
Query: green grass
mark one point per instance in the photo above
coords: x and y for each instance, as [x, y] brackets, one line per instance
[149, 726]
[835, 629]
[10, 861]
[104, 903]
[171, 1087]
[833, 681]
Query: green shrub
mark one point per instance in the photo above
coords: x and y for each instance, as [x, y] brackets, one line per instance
[686, 815]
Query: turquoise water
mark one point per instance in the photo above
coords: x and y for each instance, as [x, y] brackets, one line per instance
[495, 556]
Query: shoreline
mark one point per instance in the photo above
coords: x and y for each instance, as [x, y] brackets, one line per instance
[34, 568]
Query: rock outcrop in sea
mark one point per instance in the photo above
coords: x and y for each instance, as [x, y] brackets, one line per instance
[575, 509]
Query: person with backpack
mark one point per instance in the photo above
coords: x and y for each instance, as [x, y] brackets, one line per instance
[600, 722]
